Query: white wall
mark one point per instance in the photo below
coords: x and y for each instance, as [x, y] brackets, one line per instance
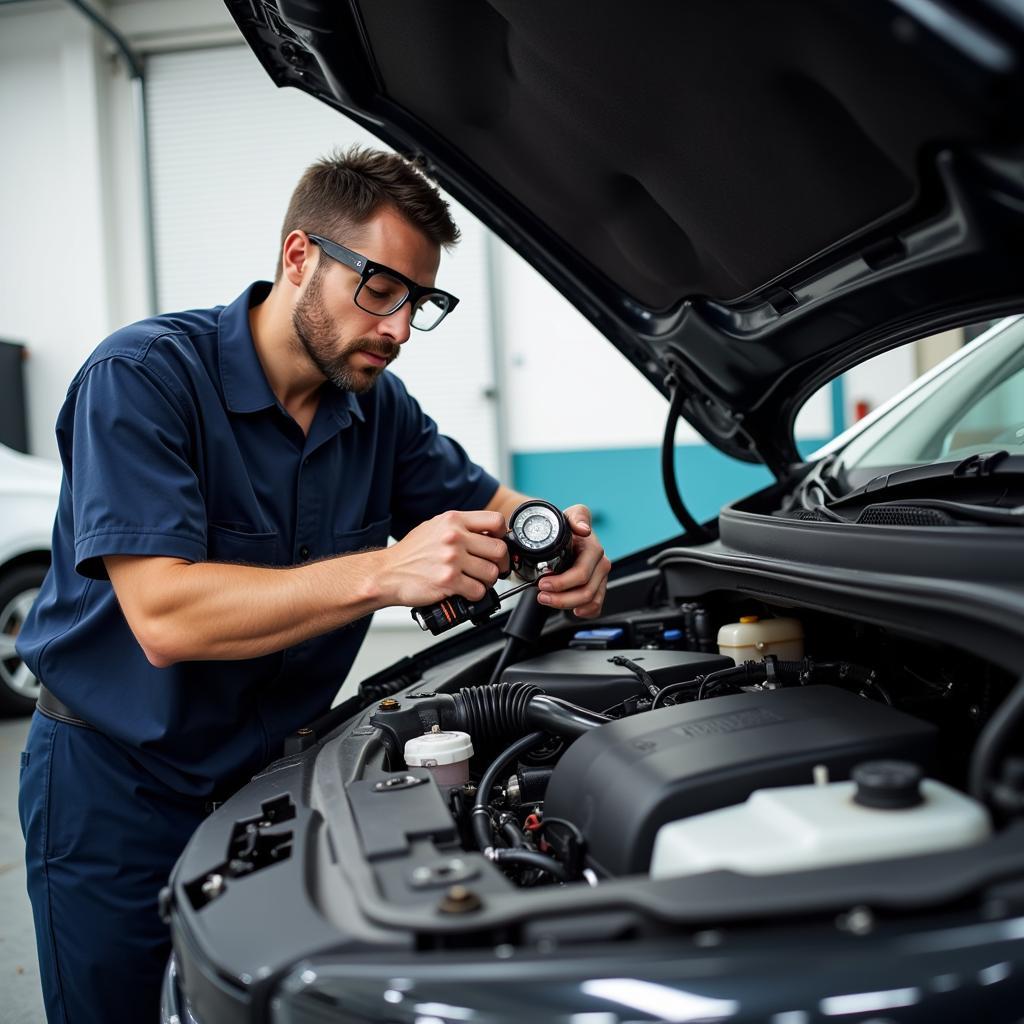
[610, 405]
[57, 295]
[74, 263]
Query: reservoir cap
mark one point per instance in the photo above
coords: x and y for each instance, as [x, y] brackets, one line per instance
[888, 785]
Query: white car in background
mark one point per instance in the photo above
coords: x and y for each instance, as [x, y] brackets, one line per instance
[28, 500]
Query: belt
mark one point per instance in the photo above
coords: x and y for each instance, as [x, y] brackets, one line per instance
[54, 707]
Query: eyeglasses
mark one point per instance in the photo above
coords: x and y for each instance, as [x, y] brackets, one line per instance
[381, 290]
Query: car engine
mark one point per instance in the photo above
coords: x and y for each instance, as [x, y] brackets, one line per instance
[579, 762]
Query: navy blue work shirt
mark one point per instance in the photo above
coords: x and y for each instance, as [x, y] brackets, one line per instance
[173, 443]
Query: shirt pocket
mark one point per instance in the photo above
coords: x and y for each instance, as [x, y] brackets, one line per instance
[373, 536]
[228, 544]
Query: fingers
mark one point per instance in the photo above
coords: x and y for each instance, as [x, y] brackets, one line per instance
[589, 554]
[453, 553]
[593, 610]
[580, 519]
[481, 521]
[465, 573]
[583, 586]
[490, 548]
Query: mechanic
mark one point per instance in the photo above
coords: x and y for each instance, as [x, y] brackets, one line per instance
[231, 478]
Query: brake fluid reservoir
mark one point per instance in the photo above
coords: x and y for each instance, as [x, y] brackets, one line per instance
[444, 754]
[887, 811]
[753, 638]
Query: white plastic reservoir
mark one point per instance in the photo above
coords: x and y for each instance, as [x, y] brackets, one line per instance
[445, 754]
[795, 828]
[753, 638]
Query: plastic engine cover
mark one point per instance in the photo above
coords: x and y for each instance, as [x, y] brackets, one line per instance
[621, 782]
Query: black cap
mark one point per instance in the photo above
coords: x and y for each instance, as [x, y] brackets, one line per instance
[888, 785]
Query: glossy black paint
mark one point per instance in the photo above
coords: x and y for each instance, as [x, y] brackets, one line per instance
[950, 975]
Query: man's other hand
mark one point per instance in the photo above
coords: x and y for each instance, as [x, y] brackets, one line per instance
[582, 586]
[453, 553]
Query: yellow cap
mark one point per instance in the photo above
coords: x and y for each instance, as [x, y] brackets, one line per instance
[749, 618]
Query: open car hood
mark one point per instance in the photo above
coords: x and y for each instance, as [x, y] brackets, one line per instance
[745, 198]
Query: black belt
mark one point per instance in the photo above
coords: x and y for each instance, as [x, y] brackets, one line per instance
[54, 707]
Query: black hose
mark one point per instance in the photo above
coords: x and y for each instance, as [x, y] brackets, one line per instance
[992, 739]
[553, 714]
[644, 677]
[668, 469]
[508, 653]
[672, 688]
[749, 671]
[531, 859]
[513, 833]
[508, 709]
[481, 806]
[496, 710]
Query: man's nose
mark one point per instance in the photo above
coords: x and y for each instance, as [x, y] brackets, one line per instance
[398, 325]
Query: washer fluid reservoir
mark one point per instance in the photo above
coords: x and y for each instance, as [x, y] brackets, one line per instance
[754, 638]
[887, 811]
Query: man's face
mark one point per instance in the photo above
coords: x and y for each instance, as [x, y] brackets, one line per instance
[349, 346]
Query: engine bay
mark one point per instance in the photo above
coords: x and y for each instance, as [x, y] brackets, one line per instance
[685, 738]
[577, 761]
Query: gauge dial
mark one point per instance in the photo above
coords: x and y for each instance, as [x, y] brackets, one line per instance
[535, 527]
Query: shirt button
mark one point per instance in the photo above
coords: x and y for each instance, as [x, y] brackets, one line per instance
[303, 552]
[305, 461]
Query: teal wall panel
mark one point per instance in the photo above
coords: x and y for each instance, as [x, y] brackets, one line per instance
[838, 406]
[623, 487]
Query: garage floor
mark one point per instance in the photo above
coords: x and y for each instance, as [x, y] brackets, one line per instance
[20, 996]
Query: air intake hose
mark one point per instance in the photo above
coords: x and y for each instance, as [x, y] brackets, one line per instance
[510, 709]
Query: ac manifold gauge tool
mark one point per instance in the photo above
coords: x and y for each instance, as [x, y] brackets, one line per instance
[539, 542]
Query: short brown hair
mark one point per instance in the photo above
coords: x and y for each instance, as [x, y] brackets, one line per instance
[344, 190]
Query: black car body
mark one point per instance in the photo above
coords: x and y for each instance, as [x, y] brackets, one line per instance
[746, 199]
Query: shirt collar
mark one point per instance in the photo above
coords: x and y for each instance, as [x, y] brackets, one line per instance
[244, 383]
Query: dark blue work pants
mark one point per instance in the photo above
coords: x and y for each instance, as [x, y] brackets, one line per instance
[101, 837]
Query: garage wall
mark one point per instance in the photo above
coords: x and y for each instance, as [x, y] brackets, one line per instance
[56, 207]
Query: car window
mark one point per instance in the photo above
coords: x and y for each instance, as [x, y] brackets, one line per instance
[974, 404]
[996, 420]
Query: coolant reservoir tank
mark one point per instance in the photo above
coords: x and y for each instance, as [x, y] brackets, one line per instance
[444, 754]
[888, 810]
[754, 638]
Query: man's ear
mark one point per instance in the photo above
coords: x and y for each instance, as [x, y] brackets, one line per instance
[297, 258]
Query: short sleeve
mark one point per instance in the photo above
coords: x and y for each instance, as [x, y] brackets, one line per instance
[126, 448]
[433, 473]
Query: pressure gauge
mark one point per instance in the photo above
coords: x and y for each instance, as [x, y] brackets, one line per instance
[539, 540]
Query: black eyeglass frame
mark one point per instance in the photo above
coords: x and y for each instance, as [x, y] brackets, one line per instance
[367, 268]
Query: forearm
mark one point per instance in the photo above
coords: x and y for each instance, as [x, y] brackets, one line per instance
[218, 611]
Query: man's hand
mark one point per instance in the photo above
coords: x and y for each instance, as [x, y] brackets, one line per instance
[581, 587]
[453, 553]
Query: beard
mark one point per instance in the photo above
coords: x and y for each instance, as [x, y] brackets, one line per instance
[316, 334]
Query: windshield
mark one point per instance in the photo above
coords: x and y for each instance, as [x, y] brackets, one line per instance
[974, 402]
